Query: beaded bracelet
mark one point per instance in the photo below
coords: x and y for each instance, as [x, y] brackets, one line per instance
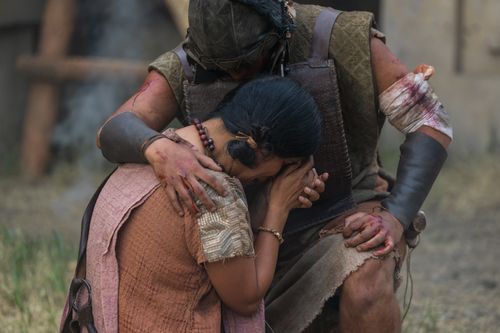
[276, 233]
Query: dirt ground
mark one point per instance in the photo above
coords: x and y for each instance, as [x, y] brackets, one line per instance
[455, 269]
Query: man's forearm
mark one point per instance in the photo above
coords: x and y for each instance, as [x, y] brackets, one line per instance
[155, 107]
[412, 107]
[124, 138]
[421, 160]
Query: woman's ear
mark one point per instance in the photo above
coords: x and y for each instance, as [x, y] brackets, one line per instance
[241, 151]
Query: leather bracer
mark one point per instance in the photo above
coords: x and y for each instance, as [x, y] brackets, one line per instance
[421, 160]
[124, 138]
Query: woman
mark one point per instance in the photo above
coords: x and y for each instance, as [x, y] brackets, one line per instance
[154, 271]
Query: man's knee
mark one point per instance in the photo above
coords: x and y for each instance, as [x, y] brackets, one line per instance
[372, 283]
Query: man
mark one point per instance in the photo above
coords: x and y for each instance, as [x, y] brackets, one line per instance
[347, 250]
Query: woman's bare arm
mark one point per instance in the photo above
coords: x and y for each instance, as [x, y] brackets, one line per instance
[243, 282]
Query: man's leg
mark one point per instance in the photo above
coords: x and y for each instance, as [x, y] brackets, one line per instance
[368, 302]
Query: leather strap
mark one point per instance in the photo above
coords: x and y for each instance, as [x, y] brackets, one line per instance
[188, 71]
[322, 32]
[80, 316]
[318, 76]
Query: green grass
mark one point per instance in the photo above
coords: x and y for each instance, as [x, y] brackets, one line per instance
[34, 276]
[10, 163]
[423, 321]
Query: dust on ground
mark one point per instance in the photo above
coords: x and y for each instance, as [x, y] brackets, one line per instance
[455, 269]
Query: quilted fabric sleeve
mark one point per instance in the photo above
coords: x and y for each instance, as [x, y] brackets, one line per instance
[226, 232]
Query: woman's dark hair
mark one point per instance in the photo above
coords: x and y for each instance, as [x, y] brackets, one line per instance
[280, 116]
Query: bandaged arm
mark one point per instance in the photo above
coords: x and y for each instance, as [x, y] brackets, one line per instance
[410, 104]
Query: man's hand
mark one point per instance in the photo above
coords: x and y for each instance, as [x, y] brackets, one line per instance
[180, 167]
[367, 232]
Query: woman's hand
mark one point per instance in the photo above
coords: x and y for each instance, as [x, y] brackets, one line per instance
[180, 167]
[289, 185]
[313, 191]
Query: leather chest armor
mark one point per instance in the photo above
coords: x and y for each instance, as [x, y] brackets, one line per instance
[319, 77]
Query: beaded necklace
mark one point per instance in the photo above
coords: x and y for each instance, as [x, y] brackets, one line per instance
[208, 142]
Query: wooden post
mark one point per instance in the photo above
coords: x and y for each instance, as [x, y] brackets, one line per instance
[179, 11]
[43, 101]
[81, 69]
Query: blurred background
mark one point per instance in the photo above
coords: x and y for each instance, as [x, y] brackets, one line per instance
[65, 66]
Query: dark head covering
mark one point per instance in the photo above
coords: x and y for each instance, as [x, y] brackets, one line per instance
[225, 34]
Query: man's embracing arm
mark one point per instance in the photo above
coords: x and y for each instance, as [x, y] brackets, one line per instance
[132, 135]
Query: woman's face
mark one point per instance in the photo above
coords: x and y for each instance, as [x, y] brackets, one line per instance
[266, 168]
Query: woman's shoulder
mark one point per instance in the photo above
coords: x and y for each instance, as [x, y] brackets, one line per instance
[226, 232]
[235, 191]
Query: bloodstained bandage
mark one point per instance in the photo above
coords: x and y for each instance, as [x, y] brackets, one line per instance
[410, 103]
